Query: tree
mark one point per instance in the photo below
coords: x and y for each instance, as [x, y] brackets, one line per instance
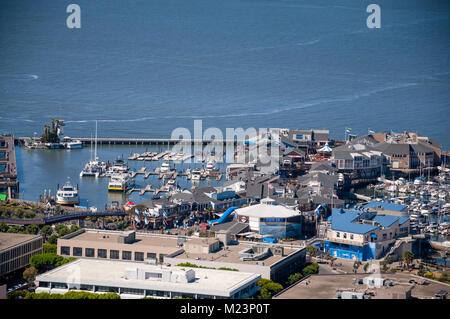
[294, 278]
[16, 229]
[3, 227]
[366, 266]
[49, 249]
[53, 239]
[312, 250]
[30, 274]
[62, 229]
[408, 257]
[47, 230]
[32, 229]
[311, 269]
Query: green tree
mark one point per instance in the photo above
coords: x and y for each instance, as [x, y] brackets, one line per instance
[408, 257]
[312, 250]
[47, 230]
[30, 274]
[32, 229]
[16, 229]
[269, 289]
[53, 239]
[311, 269]
[62, 229]
[17, 294]
[49, 249]
[3, 227]
[294, 278]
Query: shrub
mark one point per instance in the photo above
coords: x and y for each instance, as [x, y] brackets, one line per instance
[311, 269]
[49, 249]
[17, 294]
[53, 239]
[30, 273]
[294, 278]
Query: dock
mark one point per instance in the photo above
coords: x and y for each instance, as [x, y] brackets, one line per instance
[142, 141]
[8, 168]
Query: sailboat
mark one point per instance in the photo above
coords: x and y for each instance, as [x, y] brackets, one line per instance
[94, 167]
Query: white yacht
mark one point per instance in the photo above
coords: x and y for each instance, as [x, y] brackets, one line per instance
[67, 195]
[120, 183]
[94, 167]
[118, 167]
[196, 175]
[165, 167]
[70, 143]
[210, 166]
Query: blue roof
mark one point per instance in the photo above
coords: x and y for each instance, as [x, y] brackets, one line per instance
[342, 220]
[385, 220]
[402, 220]
[385, 206]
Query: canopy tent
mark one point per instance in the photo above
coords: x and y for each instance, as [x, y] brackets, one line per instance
[325, 149]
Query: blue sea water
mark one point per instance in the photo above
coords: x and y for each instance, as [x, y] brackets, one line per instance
[145, 67]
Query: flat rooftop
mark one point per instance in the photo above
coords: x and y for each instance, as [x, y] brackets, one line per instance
[325, 286]
[8, 240]
[231, 255]
[112, 273]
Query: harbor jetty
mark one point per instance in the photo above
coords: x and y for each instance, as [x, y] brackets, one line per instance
[141, 141]
[8, 169]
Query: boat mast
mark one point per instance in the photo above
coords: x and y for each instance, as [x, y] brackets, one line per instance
[96, 158]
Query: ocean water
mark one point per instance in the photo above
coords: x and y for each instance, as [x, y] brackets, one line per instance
[143, 68]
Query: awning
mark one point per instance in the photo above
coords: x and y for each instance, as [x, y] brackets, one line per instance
[373, 236]
[326, 148]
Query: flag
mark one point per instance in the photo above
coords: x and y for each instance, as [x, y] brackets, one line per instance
[371, 131]
[335, 196]
[146, 221]
[348, 130]
[137, 212]
[137, 219]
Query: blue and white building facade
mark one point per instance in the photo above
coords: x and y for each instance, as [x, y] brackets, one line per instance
[362, 234]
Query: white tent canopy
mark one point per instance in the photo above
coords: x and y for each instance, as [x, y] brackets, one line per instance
[326, 148]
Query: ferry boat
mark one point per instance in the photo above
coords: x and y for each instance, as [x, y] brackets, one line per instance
[445, 245]
[67, 195]
[120, 183]
[72, 144]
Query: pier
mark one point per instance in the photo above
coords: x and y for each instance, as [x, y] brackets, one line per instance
[8, 168]
[141, 141]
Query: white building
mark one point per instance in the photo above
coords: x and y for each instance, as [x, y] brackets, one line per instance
[137, 280]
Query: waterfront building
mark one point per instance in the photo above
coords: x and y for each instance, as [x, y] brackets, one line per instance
[362, 234]
[134, 281]
[404, 151]
[16, 251]
[358, 161]
[305, 138]
[270, 218]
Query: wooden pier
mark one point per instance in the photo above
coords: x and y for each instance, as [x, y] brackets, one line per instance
[142, 141]
[8, 169]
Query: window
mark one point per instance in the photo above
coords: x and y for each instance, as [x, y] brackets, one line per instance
[77, 251]
[151, 256]
[59, 285]
[338, 234]
[138, 256]
[65, 250]
[126, 255]
[345, 235]
[86, 287]
[114, 254]
[351, 236]
[101, 253]
[106, 289]
[161, 258]
[89, 252]
[43, 284]
[132, 291]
